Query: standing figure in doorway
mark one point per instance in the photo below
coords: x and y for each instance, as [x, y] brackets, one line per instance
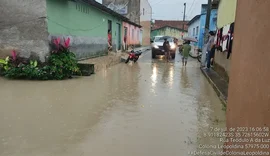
[125, 42]
[109, 40]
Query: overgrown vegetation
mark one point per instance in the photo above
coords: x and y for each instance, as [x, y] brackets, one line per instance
[62, 64]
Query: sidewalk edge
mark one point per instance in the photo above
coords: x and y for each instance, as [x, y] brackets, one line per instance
[217, 90]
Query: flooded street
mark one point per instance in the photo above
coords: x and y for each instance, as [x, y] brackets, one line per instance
[151, 108]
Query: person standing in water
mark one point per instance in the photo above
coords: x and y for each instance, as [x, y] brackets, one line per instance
[185, 53]
[166, 47]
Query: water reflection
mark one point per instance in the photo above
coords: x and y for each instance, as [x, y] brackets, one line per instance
[168, 74]
[41, 117]
[154, 75]
[209, 114]
[171, 74]
[185, 82]
[110, 113]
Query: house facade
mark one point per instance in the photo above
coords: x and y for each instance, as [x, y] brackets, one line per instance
[194, 27]
[212, 25]
[29, 30]
[172, 23]
[139, 12]
[169, 31]
[89, 34]
[170, 28]
[225, 21]
[132, 34]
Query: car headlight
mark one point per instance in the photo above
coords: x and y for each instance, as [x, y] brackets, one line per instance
[155, 46]
[173, 46]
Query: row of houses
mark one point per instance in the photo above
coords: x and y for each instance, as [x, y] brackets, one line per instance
[196, 26]
[177, 29]
[222, 19]
[29, 27]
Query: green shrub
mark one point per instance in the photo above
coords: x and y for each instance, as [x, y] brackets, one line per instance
[62, 64]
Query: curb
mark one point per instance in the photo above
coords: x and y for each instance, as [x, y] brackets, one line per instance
[217, 90]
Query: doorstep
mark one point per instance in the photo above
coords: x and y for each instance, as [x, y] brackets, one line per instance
[218, 83]
[104, 62]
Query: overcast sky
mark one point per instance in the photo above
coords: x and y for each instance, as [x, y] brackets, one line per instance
[174, 9]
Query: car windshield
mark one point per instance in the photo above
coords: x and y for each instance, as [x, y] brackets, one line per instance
[161, 39]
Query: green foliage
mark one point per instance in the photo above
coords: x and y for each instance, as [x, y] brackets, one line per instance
[28, 71]
[62, 64]
[5, 63]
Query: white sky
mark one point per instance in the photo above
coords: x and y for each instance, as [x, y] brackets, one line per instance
[174, 9]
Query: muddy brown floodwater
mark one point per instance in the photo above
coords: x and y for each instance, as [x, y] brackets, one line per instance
[151, 108]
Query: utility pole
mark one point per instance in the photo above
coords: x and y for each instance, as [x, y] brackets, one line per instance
[184, 18]
[207, 23]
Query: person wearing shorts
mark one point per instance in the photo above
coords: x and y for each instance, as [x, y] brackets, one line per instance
[185, 53]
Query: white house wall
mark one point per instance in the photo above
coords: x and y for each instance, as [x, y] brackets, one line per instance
[194, 25]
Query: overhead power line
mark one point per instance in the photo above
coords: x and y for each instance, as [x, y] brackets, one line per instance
[189, 12]
[158, 2]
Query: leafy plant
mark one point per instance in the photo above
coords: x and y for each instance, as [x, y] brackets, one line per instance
[62, 61]
[5, 63]
[61, 64]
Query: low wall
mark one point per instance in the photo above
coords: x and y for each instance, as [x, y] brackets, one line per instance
[23, 27]
[222, 65]
[86, 47]
[104, 62]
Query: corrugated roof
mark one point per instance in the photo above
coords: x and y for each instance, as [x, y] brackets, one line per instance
[176, 24]
[108, 10]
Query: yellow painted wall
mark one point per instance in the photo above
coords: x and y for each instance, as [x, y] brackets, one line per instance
[226, 12]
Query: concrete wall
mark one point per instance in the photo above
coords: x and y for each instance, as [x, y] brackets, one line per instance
[226, 12]
[226, 16]
[145, 21]
[132, 8]
[132, 39]
[145, 11]
[146, 33]
[23, 27]
[249, 89]
[85, 25]
[222, 64]
[195, 24]
[168, 31]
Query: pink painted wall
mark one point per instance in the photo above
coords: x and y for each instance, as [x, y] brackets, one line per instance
[131, 39]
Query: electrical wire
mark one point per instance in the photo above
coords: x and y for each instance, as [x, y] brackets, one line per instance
[191, 7]
[157, 2]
